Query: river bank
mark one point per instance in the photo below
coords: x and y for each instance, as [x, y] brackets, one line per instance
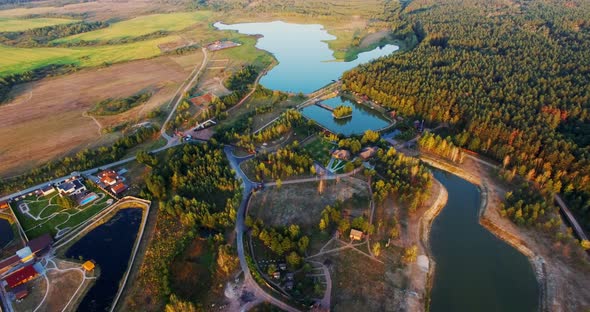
[424, 225]
[511, 235]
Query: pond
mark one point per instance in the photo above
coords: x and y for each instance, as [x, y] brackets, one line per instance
[363, 117]
[306, 62]
[6, 233]
[475, 271]
[110, 246]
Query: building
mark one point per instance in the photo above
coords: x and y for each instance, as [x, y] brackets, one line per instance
[88, 266]
[47, 190]
[20, 292]
[282, 266]
[290, 276]
[21, 276]
[109, 177]
[119, 188]
[276, 275]
[9, 263]
[4, 205]
[356, 234]
[341, 154]
[368, 152]
[72, 187]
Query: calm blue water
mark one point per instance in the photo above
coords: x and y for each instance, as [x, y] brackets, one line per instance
[306, 63]
[363, 117]
[110, 246]
[475, 271]
[6, 233]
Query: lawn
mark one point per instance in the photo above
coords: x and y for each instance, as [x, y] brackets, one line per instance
[8, 24]
[18, 60]
[63, 219]
[140, 26]
[319, 149]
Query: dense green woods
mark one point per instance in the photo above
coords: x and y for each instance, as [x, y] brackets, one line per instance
[195, 188]
[513, 80]
[400, 175]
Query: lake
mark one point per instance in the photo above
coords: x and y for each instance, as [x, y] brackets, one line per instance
[306, 62]
[110, 246]
[475, 271]
[363, 117]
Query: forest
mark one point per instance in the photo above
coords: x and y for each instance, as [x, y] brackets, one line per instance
[512, 80]
[195, 189]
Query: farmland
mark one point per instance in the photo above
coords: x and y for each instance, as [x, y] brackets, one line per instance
[141, 25]
[14, 24]
[40, 124]
[18, 60]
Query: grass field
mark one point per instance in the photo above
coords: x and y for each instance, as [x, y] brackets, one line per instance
[8, 24]
[141, 25]
[16, 60]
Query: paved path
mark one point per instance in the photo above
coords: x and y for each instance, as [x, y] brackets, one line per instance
[247, 185]
[177, 99]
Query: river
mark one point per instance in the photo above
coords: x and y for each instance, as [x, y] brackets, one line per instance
[475, 271]
[110, 246]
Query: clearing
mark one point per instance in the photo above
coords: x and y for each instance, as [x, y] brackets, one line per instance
[64, 282]
[302, 203]
[8, 24]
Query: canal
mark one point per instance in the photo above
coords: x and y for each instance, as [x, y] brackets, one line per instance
[109, 245]
[6, 233]
[475, 271]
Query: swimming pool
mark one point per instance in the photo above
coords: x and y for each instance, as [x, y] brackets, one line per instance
[88, 199]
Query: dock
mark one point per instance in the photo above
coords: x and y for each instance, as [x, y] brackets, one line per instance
[324, 106]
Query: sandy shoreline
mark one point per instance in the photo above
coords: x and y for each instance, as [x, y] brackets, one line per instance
[537, 261]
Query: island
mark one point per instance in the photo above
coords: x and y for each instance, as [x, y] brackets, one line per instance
[342, 112]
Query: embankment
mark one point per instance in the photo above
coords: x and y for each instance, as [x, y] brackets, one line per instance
[537, 262]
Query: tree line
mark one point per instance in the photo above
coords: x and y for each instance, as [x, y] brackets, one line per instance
[82, 160]
[511, 81]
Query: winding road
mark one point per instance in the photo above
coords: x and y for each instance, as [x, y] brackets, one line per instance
[247, 187]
